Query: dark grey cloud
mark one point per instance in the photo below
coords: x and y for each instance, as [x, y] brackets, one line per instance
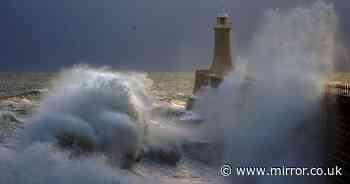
[152, 35]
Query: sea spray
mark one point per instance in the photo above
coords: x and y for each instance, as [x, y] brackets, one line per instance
[268, 114]
[39, 163]
[99, 110]
[94, 111]
[93, 122]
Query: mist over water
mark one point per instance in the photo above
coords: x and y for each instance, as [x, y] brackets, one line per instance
[267, 112]
[38, 163]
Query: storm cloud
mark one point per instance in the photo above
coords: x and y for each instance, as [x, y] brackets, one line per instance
[45, 35]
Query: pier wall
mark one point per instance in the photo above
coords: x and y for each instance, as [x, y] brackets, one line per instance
[337, 116]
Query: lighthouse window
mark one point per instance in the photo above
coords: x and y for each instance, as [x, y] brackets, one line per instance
[222, 20]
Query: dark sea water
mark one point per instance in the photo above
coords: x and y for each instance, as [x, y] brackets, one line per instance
[165, 84]
[12, 84]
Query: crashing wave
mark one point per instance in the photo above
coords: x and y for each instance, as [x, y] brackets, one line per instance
[91, 120]
[93, 111]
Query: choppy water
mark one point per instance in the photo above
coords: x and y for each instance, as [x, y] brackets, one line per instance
[165, 84]
[18, 98]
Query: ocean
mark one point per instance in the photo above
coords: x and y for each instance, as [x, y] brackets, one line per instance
[22, 94]
[165, 84]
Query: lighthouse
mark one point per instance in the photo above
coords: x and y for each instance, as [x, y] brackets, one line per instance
[222, 62]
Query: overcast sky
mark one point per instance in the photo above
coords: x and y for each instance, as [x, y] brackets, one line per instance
[46, 35]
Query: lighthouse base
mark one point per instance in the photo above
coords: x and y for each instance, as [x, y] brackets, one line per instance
[204, 78]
